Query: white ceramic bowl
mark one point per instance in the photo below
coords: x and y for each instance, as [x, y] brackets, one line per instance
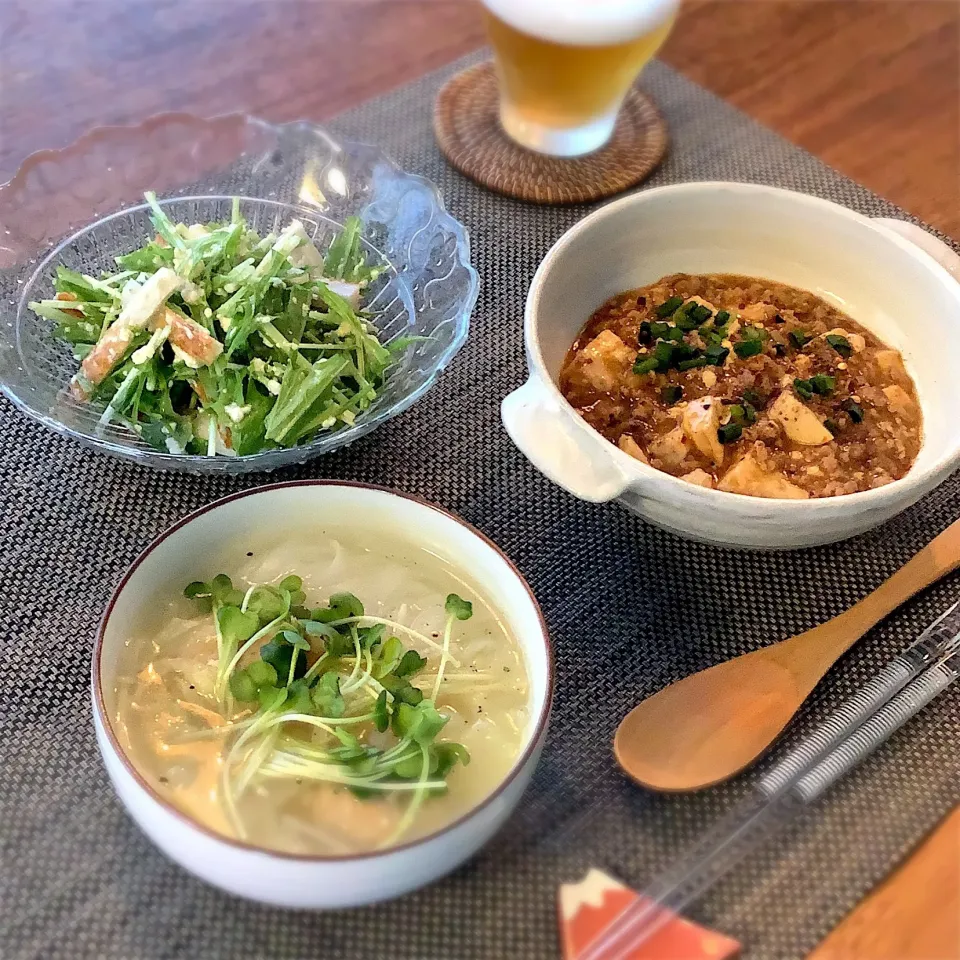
[868, 268]
[186, 552]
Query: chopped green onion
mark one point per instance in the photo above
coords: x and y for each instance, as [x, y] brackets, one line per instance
[823, 384]
[716, 354]
[799, 338]
[700, 361]
[803, 388]
[700, 314]
[840, 344]
[658, 329]
[721, 318]
[730, 432]
[744, 414]
[646, 364]
[669, 306]
[663, 353]
[748, 348]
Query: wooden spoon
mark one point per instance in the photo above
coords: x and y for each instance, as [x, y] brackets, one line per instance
[710, 725]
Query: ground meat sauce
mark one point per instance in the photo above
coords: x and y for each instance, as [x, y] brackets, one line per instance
[745, 385]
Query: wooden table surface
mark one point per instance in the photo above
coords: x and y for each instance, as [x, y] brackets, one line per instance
[871, 87]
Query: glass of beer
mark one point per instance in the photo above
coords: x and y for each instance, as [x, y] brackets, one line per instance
[565, 66]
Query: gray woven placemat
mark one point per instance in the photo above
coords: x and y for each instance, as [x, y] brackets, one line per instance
[630, 609]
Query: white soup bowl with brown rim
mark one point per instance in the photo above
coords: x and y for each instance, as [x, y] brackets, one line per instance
[189, 551]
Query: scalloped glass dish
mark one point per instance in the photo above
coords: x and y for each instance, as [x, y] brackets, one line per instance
[427, 290]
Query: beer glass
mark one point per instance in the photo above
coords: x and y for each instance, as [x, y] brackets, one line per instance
[564, 66]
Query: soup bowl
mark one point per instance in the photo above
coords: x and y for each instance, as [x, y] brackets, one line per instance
[188, 551]
[885, 274]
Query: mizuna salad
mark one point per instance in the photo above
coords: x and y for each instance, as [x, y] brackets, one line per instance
[211, 339]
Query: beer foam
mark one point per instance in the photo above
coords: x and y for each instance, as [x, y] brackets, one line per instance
[590, 23]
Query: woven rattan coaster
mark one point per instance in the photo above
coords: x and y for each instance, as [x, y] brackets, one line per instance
[468, 130]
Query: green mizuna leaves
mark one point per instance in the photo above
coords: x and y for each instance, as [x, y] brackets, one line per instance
[231, 342]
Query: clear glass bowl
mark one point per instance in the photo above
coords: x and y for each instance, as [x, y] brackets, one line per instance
[428, 288]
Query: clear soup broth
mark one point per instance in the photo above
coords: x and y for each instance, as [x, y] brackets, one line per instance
[326, 784]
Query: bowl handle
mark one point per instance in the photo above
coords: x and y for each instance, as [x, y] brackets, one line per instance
[927, 242]
[577, 462]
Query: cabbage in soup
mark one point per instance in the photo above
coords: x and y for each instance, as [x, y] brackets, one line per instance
[325, 697]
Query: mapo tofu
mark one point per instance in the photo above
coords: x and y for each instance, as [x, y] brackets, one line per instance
[745, 385]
